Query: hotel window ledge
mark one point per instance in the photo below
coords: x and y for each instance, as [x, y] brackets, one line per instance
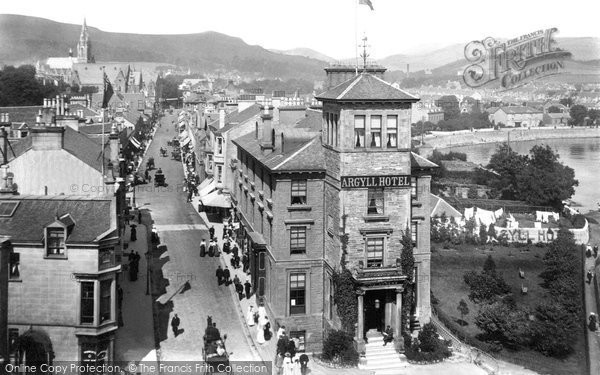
[246, 177]
[252, 196]
[299, 207]
[261, 194]
[253, 185]
[269, 202]
[370, 218]
[245, 188]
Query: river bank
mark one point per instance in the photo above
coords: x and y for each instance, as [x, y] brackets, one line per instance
[441, 140]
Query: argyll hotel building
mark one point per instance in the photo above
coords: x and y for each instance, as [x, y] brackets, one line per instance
[345, 169]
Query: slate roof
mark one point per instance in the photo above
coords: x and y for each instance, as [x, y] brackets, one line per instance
[235, 118]
[91, 74]
[366, 87]
[91, 216]
[312, 120]
[76, 143]
[25, 114]
[514, 110]
[459, 166]
[74, 108]
[96, 128]
[438, 206]
[302, 151]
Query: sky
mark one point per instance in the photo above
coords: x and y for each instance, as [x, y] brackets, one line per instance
[332, 27]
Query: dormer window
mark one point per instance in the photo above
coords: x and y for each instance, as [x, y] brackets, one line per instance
[55, 242]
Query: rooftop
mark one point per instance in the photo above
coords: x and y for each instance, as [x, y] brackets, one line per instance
[91, 217]
[366, 87]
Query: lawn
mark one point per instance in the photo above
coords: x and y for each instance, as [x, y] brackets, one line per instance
[447, 285]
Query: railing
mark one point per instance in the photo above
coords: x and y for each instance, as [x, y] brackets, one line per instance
[474, 355]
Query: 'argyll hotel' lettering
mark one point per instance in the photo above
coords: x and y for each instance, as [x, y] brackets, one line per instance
[515, 62]
[362, 182]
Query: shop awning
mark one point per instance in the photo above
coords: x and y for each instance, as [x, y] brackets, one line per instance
[135, 143]
[209, 188]
[215, 199]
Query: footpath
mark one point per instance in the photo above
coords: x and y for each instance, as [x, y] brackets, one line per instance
[135, 339]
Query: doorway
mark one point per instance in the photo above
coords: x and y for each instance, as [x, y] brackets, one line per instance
[374, 309]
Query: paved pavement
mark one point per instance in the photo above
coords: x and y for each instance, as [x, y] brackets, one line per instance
[177, 261]
[135, 340]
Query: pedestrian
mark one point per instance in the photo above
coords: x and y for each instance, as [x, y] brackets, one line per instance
[146, 174]
[235, 251]
[236, 280]
[239, 288]
[189, 196]
[288, 365]
[250, 316]
[260, 331]
[130, 256]
[224, 232]
[280, 332]
[133, 237]
[226, 247]
[296, 370]
[589, 277]
[203, 248]
[267, 327]
[175, 325]
[120, 296]
[226, 275]
[219, 274]
[388, 336]
[290, 346]
[593, 321]
[236, 261]
[211, 249]
[211, 231]
[245, 262]
[139, 217]
[303, 363]
[248, 289]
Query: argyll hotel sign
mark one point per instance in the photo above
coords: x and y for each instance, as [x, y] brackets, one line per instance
[363, 182]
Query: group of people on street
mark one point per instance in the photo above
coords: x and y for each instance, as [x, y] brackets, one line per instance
[287, 360]
[134, 265]
[191, 182]
[259, 319]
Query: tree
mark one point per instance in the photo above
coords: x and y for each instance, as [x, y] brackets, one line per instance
[554, 109]
[567, 102]
[545, 181]
[450, 106]
[504, 323]
[19, 87]
[594, 114]
[463, 308]
[485, 287]
[578, 114]
[489, 266]
[507, 164]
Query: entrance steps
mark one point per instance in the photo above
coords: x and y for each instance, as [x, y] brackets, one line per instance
[382, 360]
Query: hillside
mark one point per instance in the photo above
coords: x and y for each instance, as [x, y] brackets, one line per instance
[25, 39]
[306, 52]
[583, 49]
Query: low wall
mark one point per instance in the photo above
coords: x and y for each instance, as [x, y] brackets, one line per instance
[481, 136]
[581, 236]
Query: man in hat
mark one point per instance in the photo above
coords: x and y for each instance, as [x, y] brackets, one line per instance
[175, 325]
[226, 275]
[133, 233]
[211, 231]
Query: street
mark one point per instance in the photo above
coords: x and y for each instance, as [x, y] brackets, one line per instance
[180, 230]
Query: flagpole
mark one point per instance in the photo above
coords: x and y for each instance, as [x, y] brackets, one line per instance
[356, 34]
[103, 119]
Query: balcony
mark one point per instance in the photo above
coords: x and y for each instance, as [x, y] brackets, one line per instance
[380, 276]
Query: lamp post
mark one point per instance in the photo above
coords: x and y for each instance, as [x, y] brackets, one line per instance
[132, 182]
[147, 254]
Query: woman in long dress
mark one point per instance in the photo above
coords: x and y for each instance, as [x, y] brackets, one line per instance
[260, 333]
[288, 365]
[250, 316]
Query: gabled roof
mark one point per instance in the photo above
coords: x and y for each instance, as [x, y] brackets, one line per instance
[91, 74]
[514, 110]
[438, 206]
[76, 143]
[366, 87]
[90, 217]
[87, 112]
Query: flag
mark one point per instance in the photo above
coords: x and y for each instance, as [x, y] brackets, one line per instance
[108, 91]
[366, 2]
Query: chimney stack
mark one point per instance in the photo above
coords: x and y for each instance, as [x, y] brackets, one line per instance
[114, 145]
[266, 128]
[47, 137]
[221, 118]
[7, 186]
[3, 145]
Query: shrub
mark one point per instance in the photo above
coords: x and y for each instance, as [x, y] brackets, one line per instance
[428, 347]
[485, 287]
[339, 347]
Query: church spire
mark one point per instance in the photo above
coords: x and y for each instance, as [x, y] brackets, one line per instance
[84, 52]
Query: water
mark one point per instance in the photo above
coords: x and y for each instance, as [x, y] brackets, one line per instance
[581, 154]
